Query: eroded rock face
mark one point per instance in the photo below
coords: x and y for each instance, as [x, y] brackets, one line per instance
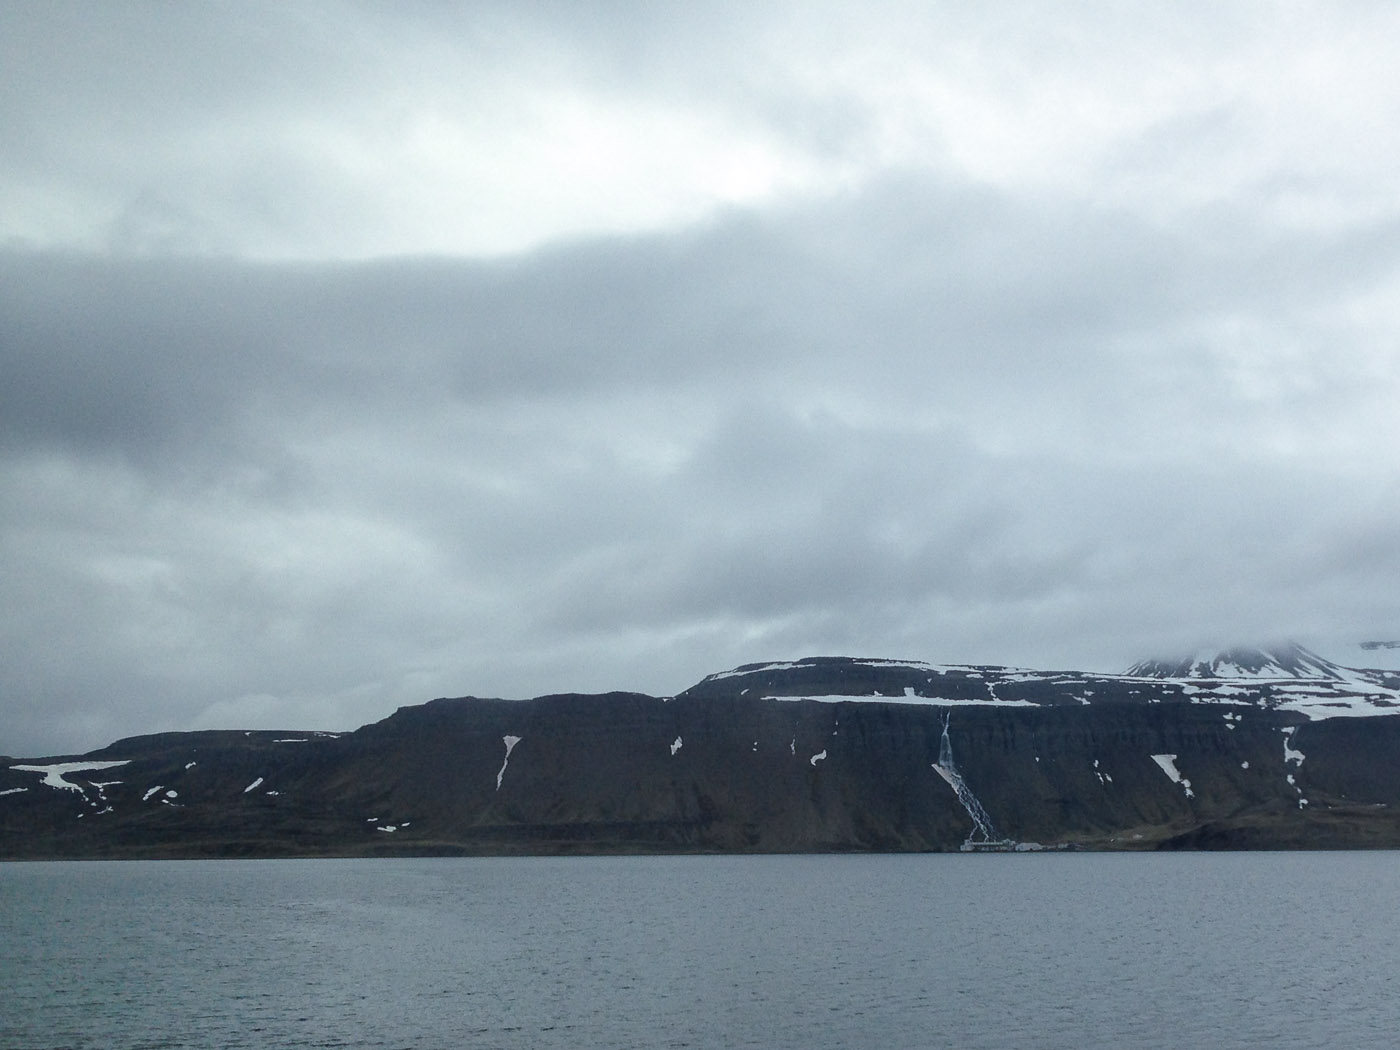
[823, 754]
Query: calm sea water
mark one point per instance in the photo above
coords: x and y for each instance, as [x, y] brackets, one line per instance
[990, 951]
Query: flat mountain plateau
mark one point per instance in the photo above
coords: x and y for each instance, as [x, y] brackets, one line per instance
[1245, 749]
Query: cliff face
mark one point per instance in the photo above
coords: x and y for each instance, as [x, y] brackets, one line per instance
[815, 755]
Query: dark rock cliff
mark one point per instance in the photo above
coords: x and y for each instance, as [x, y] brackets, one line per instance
[741, 762]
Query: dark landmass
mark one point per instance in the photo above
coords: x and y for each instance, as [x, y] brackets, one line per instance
[1290, 752]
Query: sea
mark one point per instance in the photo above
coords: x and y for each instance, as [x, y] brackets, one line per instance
[1075, 950]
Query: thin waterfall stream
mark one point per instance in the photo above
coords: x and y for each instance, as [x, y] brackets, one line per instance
[984, 834]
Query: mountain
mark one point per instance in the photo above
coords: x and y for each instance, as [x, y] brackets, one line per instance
[1283, 661]
[1285, 678]
[1250, 748]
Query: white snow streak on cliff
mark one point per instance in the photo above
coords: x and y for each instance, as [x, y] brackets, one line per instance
[1290, 754]
[54, 778]
[510, 742]
[1168, 764]
[908, 698]
[53, 774]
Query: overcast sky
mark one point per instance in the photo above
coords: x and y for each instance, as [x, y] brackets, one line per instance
[354, 354]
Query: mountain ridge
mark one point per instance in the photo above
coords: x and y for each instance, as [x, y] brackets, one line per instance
[818, 754]
[1332, 691]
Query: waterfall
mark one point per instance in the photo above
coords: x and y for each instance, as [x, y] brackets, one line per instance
[981, 821]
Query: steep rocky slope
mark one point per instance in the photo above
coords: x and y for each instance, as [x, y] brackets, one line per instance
[818, 754]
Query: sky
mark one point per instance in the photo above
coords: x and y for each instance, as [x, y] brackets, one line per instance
[354, 354]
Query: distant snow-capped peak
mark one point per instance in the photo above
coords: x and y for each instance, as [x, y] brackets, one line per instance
[1289, 660]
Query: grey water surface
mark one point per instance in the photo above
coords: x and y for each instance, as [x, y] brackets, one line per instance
[985, 951]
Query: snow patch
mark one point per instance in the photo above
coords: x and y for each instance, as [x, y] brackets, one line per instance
[758, 669]
[510, 742]
[910, 698]
[1168, 766]
[13, 791]
[675, 746]
[817, 757]
[253, 785]
[54, 777]
[1314, 699]
[1290, 754]
[1316, 709]
[54, 773]
[147, 796]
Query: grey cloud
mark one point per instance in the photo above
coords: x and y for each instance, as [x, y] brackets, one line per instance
[922, 421]
[916, 291]
[222, 126]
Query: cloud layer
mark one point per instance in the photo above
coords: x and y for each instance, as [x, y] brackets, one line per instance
[950, 336]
